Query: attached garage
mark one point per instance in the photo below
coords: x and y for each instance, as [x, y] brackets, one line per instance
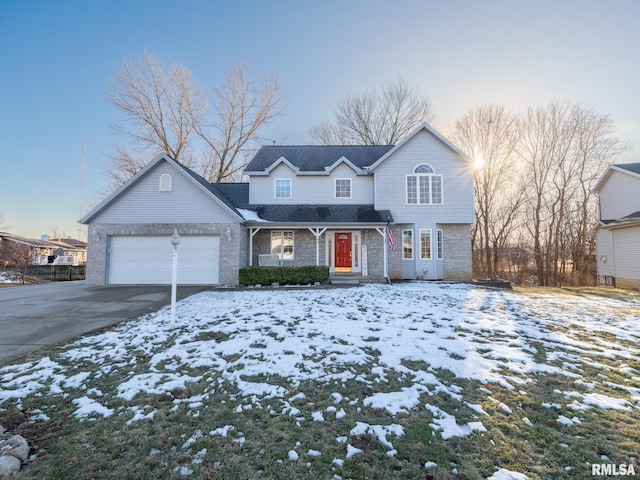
[147, 260]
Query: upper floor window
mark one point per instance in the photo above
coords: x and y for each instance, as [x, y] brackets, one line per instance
[165, 182]
[283, 188]
[343, 188]
[424, 187]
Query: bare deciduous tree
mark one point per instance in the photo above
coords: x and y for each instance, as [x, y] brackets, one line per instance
[243, 105]
[565, 148]
[17, 256]
[375, 118]
[490, 135]
[167, 112]
[533, 190]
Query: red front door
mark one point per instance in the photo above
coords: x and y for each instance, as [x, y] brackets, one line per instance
[343, 252]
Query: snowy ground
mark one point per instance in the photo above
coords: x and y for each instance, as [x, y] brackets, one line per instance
[252, 339]
[9, 277]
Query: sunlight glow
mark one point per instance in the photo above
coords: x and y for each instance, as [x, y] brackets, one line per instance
[478, 162]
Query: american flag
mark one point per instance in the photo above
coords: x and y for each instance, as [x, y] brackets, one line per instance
[392, 245]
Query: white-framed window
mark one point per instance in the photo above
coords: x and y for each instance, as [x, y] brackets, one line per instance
[425, 244]
[343, 188]
[165, 184]
[282, 187]
[407, 244]
[282, 244]
[424, 187]
[439, 244]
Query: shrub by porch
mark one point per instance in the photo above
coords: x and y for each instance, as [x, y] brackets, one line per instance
[284, 275]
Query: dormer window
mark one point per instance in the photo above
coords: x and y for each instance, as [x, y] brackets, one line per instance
[165, 182]
[424, 187]
[282, 187]
[343, 188]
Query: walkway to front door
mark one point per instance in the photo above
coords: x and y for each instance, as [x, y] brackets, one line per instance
[343, 255]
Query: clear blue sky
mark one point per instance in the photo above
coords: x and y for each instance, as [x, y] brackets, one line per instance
[56, 58]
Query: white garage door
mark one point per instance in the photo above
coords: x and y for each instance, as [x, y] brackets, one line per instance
[147, 260]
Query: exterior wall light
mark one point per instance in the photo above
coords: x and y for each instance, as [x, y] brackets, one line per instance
[229, 236]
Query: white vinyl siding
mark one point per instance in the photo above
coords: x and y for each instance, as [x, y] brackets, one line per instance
[145, 203]
[626, 252]
[619, 196]
[311, 189]
[391, 183]
[148, 260]
[425, 244]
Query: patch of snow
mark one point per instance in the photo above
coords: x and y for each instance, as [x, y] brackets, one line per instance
[222, 431]
[87, 407]
[448, 426]
[351, 451]
[504, 474]
[184, 471]
[250, 215]
[293, 455]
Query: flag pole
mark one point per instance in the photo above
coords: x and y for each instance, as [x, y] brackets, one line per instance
[386, 270]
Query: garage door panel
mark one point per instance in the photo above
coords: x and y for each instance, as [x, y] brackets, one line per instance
[148, 260]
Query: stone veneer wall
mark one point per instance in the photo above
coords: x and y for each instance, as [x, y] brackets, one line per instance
[457, 252]
[230, 258]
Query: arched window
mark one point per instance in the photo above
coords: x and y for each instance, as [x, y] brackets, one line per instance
[165, 182]
[424, 187]
[424, 168]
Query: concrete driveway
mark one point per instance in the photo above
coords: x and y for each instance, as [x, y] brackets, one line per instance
[37, 316]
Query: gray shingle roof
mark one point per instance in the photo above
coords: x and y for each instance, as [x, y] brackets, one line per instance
[321, 214]
[315, 158]
[631, 167]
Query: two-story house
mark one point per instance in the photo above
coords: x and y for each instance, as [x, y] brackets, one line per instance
[302, 205]
[618, 230]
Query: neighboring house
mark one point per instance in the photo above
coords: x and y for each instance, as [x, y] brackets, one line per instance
[61, 251]
[303, 205]
[618, 231]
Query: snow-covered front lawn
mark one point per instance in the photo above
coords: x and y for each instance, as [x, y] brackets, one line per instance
[421, 380]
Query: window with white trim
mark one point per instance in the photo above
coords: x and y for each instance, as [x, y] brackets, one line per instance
[407, 244]
[425, 244]
[343, 188]
[165, 183]
[424, 187]
[282, 244]
[282, 187]
[439, 244]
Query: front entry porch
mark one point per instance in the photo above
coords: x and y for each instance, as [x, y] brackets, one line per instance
[357, 252]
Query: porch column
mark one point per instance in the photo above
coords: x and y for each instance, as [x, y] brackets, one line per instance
[252, 233]
[383, 232]
[317, 232]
